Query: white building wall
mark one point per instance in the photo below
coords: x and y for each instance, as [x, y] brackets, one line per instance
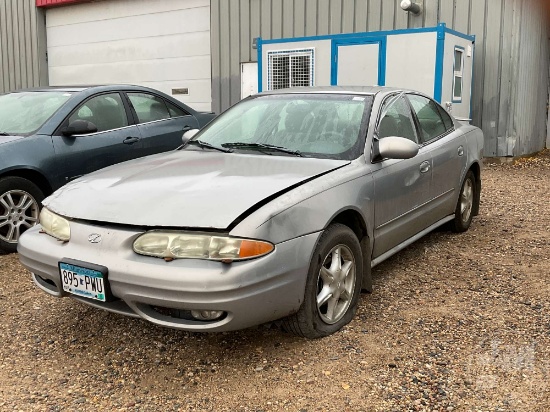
[164, 44]
[410, 61]
[460, 110]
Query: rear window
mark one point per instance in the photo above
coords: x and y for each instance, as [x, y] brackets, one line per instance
[148, 108]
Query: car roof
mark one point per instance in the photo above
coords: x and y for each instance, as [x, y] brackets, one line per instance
[81, 88]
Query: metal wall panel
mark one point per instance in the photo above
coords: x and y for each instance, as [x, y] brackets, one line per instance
[530, 113]
[510, 86]
[22, 45]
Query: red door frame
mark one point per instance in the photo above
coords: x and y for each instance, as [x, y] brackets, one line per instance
[50, 3]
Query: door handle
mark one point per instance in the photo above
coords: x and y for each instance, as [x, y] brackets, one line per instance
[424, 167]
[186, 128]
[130, 140]
[460, 150]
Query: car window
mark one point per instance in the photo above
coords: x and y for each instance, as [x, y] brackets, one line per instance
[148, 107]
[447, 121]
[427, 112]
[396, 119]
[322, 125]
[174, 110]
[105, 111]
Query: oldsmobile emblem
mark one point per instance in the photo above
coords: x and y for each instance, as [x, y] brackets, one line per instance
[94, 238]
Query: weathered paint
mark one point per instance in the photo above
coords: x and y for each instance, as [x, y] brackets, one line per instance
[22, 45]
[200, 177]
[511, 61]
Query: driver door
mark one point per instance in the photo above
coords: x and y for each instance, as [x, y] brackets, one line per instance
[115, 141]
[402, 186]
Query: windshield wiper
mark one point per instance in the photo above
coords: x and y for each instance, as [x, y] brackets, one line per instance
[209, 146]
[4, 134]
[264, 146]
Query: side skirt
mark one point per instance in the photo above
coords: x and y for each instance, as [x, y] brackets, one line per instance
[410, 240]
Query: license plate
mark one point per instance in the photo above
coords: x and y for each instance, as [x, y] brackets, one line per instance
[84, 281]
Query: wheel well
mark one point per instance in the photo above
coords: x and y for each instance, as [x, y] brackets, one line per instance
[354, 221]
[35, 177]
[476, 170]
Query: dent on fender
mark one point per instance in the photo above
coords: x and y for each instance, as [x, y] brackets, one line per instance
[279, 194]
[295, 213]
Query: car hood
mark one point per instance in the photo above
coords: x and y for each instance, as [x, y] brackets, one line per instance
[200, 189]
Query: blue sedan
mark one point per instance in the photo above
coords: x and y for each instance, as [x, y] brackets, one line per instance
[53, 135]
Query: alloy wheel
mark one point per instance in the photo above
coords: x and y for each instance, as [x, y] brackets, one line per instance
[335, 284]
[18, 212]
[467, 200]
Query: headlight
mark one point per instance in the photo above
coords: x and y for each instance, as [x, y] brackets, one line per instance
[55, 225]
[176, 245]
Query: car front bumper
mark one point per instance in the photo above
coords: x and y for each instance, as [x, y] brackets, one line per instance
[248, 292]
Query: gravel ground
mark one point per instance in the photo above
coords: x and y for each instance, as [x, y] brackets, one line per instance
[455, 323]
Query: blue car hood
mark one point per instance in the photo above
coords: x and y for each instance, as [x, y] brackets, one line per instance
[9, 139]
[187, 188]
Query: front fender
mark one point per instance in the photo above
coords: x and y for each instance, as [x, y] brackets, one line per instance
[313, 206]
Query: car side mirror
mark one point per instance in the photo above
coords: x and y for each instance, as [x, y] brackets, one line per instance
[188, 135]
[79, 127]
[393, 147]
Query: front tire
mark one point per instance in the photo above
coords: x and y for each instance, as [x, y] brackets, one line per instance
[465, 205]
[19, 209]
[333, 285]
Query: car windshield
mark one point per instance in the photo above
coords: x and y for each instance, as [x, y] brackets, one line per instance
[25, 112]
[310, 125]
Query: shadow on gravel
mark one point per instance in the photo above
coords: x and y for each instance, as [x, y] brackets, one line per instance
[410, 254]
[104, 335]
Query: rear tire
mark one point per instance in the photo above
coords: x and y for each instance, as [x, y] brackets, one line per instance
[333, 285]
[465, 204]
[20, 202]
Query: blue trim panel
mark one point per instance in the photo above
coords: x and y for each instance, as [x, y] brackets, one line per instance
[333, 63]
[260, 68]
[439, 55]
[456, 47]
[364, 35]
[381, 41]
[378, 36]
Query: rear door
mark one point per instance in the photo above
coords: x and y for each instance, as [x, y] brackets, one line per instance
[402, 186]
[437, 134]
[161, 124]
[116, 140]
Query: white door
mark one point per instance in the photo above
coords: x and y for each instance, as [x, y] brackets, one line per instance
[163, 44]
[358, 64]
[249, 79]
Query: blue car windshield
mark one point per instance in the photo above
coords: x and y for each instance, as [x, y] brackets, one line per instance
[309, 124]
[25, 112]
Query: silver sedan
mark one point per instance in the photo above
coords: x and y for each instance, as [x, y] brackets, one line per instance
[278, 209]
